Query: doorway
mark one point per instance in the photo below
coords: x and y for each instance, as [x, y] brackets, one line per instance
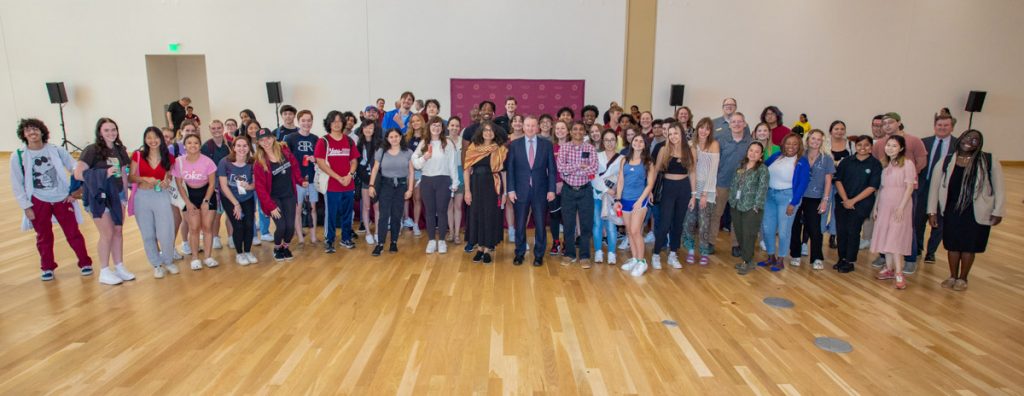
[172, 77]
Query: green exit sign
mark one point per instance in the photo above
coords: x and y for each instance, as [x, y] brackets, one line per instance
[174, 47]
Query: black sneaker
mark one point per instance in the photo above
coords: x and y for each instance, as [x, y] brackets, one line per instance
[478, 257]
[487, 258]
[376, 250]
[328, 248]
[838, 264]
[278, 254]
[362, 228]
[929, 258]
[832, 242]
[287, 254]
[847, 267]
[393, 248]
[347, 244]
[469, 248]
[736, 252]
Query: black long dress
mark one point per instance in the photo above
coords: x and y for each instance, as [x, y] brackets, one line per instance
[485, 216]
[961, 232]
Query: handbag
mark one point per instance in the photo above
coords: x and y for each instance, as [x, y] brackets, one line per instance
[176, 198]
[608, 212]
[321, 178]
[659, 184]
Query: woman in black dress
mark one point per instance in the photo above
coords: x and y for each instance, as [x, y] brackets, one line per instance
[484, 173]
[969, 193]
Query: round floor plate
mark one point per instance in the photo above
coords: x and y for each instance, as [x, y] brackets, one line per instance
[833, 345]
[778, 302]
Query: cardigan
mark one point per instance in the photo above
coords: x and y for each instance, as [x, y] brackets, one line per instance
[988, 198]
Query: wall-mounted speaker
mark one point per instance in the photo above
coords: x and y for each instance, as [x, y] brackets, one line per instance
[676, 99]
[274, 92]
[57, 92]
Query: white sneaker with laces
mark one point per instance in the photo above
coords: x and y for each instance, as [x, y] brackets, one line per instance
[598, 256]
[442, 247]
[242, 259]
[416, 230]
[267, 237]
[123, 273]
[794, 262]
[158, 272]
[172, 268]
[109, 277]
[656, 261]
[196, 265]
[624, 245]
[611, 258]
[649, 238]
[431, 246]
[185, 248]
[210, 262]
[256, 241]
[673, 261]
[369, 239]
[805, 250]
[231, 243]
[177, 255]
[407, 222]
[511, 234]
[216, 243]
[628, 265]
[252, 258]
[639, 269]
[818, 265]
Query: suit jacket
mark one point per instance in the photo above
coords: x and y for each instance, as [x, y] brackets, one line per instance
[924, 178]
[520, 174]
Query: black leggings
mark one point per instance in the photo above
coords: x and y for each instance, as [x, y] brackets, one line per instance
[675, 200]
[285, 225]
[807, 220]
[243, 228]
[436, 193]
[555, 218]
[848, 225]
[390, 199]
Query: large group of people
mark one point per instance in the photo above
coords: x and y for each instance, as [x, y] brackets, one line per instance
[591, 184]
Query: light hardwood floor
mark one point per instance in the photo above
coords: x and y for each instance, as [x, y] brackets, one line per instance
[408, 323]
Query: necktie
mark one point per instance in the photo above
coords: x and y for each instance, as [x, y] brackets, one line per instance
[530, 152]
[935, 158]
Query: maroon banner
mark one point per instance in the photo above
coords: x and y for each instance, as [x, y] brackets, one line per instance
[535, 97]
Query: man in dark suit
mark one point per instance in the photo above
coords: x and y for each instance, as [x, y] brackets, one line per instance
[940, 146]
[531, 185]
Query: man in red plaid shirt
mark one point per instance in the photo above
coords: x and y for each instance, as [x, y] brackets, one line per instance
[577, 163]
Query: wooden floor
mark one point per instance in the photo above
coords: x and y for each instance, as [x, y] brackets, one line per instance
[408, 323]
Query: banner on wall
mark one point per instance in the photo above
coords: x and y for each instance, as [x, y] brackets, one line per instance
[535, 97]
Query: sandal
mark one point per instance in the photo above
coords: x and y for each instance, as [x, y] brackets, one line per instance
[948, 283]
[960, 285]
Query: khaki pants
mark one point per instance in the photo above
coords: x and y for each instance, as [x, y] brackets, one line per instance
[721, 199]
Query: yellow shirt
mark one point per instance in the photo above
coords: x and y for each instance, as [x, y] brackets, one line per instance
[805, 125]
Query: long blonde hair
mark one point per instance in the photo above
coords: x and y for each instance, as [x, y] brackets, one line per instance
[411, 133]
[807, 141]
[261, 154]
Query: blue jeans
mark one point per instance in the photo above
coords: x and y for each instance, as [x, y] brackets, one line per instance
[602, 224]
[339, 203]
[828, 219]
[776, 222]
[264, 221]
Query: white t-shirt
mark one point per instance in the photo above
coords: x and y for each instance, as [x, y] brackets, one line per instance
[781, 173]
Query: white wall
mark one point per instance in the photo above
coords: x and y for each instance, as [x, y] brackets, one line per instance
[848, 60]
[327, 54]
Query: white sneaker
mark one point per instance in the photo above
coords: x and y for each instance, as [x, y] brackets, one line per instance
[794, 262]
[511, 234]
[369, 239]
[252, 258]
[210, 262]
[231, 243]
[864, 244]
[598, 256]
[196, 265]
[242, 259]
[624, 245]
[763, 248]
[628, 265]
[177, 255]
[407, 222]
[256, 241]
[216, 243]
[185, 248]
[109, 277]
[649, 238]
[673, 261]
[805, 250]
[172, 268]
[123, 273]
[158, 272]
[416, 230]
[818, 265]
[611, 258]
[431, 246]
[656, 261]
[442, 247]
[640, 268]
[267, 237]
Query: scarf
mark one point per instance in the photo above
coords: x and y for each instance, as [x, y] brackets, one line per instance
[476, 153]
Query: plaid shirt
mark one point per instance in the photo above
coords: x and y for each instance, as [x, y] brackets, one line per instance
[577, 171]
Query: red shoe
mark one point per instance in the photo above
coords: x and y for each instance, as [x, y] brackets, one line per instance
[901, 283]
[885, 274]
[556, 248]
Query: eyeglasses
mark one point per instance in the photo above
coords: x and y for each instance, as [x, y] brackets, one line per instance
[610, 140]
[728, 105]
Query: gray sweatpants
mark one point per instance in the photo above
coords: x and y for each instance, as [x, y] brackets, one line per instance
[436, 193]
[156, 224]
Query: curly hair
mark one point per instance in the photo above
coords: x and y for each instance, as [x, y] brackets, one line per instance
[32, 123]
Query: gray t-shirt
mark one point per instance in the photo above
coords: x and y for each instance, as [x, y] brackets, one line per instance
[47, 185]
[393, 165]
[235, 173]
[823, 166]
[732, 152]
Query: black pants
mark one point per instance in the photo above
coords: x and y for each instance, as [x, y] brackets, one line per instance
[390, 196]
[848, 225]
[284, 227]
[436, 193]
[675, 198]
[243, 228]
[807, 220]
[537, 203]
[555, 218]
[578, 202]
[920, 221]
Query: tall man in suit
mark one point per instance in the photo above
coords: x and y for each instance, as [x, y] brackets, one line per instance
[531, 185]
[940, 146]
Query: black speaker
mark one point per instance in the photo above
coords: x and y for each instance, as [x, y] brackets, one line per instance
[975, 100]
[274, 92]
[676, 99]
[57, 92]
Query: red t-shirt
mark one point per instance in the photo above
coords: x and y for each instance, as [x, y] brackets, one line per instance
[780, 133]
[146, 171]
[339, 156]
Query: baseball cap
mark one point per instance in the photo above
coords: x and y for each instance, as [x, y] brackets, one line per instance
[894, 115]
[264, 132]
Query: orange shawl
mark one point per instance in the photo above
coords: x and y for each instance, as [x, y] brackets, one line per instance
[498, 153]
